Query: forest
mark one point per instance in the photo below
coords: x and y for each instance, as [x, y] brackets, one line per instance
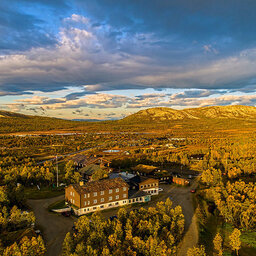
[225, 200]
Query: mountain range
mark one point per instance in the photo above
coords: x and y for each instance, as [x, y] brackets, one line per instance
[229, 116]
[217, 112]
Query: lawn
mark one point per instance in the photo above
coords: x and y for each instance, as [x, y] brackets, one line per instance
[214, 225]
[43, 193]
[57, 205]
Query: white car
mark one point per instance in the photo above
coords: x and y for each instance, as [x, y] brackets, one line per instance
[160, 190]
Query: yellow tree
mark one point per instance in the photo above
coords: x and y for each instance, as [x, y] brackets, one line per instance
[235, 241]
[196, 251]
[12, 250]
[218, 244]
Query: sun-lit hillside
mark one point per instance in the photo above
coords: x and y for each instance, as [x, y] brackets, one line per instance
[206, 118]
[168, 114]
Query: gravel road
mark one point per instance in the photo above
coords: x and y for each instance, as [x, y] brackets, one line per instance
[54, 226]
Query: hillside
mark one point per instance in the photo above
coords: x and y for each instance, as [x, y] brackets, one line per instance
[15, 122]
[168, 114]
[153, 119]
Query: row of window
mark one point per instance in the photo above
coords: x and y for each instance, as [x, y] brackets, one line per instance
[152, 191]
[148, 185]
[165, 178]
[102, 206]
[138, 199]
[95, 201]
[103, 192]
[72, 193]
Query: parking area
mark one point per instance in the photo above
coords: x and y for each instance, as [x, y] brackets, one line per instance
[54, 226]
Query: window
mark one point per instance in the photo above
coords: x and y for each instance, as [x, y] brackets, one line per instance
[124, 202]
[110, 191]
[95, 201]
[84, 195]
[94, 193]
[94, 208]
[101, 193]
[117, 196]
[117, 189]
[102, 199]
[102, 206]
[124, 188]
[73, 201]
[88, 202]
[88, 195]
[110, 198]
[71, 193]
[84, 210]
[110, 205]
[84, 203]
[141, 186]
[124, 195]
[117, 203]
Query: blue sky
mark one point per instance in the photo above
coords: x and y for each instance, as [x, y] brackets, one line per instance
[106, 59]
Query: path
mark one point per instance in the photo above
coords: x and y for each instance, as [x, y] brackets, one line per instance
[54, 226]
[190, 238]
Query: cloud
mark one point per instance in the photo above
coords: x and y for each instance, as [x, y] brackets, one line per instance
[105, 101]
[197, 93]
[172, 44]
[21, 30]
[83, 57]
[40, 100]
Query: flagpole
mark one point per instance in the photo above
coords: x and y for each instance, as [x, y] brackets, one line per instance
[57, 170]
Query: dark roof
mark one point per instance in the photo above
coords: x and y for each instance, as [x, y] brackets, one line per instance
[100, 185]
[90, 169]
[136, 193]
[80, 159]
[138, 179]
[85, 160]
[125, 176]
[144, 168]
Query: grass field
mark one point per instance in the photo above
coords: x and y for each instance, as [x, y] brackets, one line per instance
[215, 224]
[57, 205]
[43, 193]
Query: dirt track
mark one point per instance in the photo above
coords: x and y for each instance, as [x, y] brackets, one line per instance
[54, 226]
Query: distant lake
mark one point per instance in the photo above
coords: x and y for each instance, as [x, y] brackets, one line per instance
[111, 151]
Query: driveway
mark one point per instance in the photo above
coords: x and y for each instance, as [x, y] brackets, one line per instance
[54, 226]
[183, 197]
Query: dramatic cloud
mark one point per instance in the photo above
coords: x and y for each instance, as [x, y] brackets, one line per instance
[205, 48]
[110, 101]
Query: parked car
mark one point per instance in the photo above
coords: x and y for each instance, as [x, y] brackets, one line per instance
[38, 232]
[160, 190]
[193, 190]
[113, 217]
[66, 214]
[74, 229]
